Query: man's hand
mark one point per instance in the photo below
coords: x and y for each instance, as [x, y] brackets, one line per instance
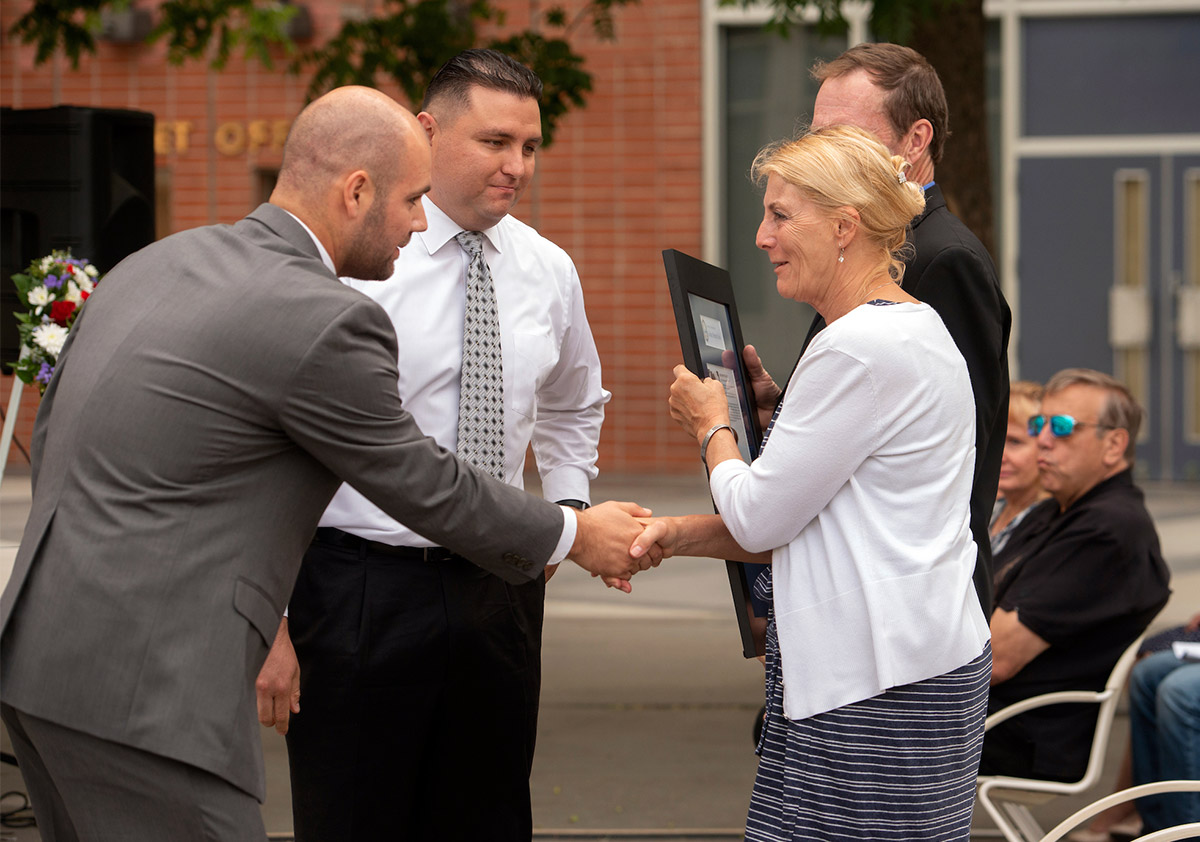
[278, 684]
[620, 584]
[1013, 645]
[602, 541]
[656, 543]
[766, 390]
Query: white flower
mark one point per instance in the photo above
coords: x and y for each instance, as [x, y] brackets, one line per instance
[91, 270]
[50, 337]
[85, 283]
[73, 293]
[80, 275]
[47, 262]
[39, 296]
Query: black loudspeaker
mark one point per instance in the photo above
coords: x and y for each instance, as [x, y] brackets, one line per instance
[71, 178]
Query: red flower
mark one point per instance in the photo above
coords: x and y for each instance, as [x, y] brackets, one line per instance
[61, 312]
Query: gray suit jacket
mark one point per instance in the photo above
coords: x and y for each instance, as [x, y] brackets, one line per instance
[214, 392]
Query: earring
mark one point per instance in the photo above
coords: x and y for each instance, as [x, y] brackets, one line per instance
[842, 256]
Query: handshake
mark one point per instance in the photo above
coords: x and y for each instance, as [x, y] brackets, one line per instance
[612, 541]
[615, 540]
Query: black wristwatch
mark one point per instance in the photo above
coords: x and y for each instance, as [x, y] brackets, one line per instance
[575, 504]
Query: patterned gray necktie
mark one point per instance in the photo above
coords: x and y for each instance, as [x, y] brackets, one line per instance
[481, 394]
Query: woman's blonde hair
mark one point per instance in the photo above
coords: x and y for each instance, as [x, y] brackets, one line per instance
[843, 166]
[1024, 400]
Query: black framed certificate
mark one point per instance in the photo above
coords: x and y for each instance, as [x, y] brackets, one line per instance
[710, 336]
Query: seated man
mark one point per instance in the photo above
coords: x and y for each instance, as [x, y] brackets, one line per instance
[1079, 585]
[1164, 719]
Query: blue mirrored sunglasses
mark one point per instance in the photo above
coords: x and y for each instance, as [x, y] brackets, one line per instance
[1061, 426]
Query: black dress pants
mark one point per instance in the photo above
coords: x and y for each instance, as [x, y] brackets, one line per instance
[419, 687]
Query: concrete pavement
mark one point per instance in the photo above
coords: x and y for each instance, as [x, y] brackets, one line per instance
[647, 703]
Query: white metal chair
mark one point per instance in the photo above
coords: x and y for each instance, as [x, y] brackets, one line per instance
[1007, 799]
[1182, 831]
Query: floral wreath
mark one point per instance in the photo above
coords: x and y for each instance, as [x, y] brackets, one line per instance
[52, 289]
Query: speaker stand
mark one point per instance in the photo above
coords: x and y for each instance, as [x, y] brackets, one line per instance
[10, 422]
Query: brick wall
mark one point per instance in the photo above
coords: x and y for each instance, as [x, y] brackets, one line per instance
[621, 183]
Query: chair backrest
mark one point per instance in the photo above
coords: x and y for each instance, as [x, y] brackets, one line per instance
[1108, 710]
[1002, 796]
[1186, 831]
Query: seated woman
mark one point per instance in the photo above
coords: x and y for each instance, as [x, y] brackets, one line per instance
[877, 650]
[1020, 484]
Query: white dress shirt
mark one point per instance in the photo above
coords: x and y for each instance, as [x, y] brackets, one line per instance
[552, 393]
[325, 258]
[863, 495]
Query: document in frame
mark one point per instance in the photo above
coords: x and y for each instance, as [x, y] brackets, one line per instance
[710, 337]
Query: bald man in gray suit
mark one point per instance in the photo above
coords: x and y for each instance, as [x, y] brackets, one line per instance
[216, 389]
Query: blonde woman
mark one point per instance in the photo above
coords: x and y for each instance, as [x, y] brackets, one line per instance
[1020, 484]
[877, 650]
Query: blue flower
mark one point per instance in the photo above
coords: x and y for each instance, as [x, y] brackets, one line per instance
[52, 282]
[44, 375]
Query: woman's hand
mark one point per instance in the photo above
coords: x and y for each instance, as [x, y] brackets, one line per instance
[697, 404]
[662, 531]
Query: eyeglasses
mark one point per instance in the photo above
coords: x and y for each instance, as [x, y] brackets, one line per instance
[1061, 426]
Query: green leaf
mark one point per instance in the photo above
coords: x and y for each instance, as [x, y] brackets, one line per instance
[406, 43]
[891, 20]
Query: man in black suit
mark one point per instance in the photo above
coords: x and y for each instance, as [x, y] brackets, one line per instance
[894, 92]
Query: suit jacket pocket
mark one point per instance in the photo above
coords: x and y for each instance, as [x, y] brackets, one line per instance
[252, 603]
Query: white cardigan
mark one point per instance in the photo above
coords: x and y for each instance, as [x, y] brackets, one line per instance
[863, 495]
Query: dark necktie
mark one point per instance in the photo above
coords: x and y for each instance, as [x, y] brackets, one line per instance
[481, 394]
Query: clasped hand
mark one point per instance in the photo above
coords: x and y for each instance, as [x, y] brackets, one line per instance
[654, 542]
[607, 536]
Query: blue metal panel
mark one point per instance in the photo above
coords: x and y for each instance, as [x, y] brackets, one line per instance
[1067, 268]
[1066, 261]
[1116, 75]
[1186, 454]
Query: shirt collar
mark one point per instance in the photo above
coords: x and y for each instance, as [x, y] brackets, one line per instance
[325, 258]
[1123, 478]
[442, 229]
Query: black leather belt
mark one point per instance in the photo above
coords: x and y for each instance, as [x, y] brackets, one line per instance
[338, 538]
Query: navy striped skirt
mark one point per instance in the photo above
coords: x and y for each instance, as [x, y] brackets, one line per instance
[899, 766]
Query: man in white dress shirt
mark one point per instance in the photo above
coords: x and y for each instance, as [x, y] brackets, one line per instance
[419, 671]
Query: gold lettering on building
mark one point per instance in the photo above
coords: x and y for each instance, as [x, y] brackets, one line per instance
[172, 137]
[230, 138]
